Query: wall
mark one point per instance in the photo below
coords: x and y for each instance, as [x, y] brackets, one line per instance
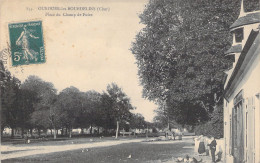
[250, 84]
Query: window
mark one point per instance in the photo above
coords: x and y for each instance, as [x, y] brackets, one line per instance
[239, 35]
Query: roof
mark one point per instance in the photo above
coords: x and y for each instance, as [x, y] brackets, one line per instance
[239, 68]
[234, 49]
[245, 20]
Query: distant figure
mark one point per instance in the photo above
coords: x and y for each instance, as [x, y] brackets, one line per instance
[173, 134]
[213, 145]
[201, 149]
[166, 134]
[23, 41]
[187, 159]
[27, 140]
[207, 142]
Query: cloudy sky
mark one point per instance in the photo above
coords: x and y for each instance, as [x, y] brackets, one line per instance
[87, 52]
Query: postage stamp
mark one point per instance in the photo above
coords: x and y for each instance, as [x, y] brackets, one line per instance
[26, 43]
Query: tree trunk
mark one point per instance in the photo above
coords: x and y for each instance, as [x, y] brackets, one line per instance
[147, 133]
[91, 129]
[82, 131]
[39, 132]
[54, 133]
[117, 128]
[62, 131]
[70, 133]
[66, 131]
[168, 124]
[12, 134]
[31, 132]
[51, 131]
[98, 130]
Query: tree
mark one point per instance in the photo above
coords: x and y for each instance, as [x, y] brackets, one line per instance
[95, 110]
[9, 88]
[137, 121]
[121, 105]
[2, 89]
[162, 119]
[45, 97]
[69, 103]
[214, 127]
[90, 113]
[107, 115]
[24, 107]
[190, 114]
[180, 52]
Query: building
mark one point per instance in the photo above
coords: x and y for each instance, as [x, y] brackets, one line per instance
[242, 91]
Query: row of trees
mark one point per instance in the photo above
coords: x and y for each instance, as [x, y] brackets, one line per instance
[35, 104]
[180, 55]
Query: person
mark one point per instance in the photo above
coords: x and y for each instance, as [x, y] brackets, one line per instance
[27, 140]
[187, 159]
[212, 146]
[207, 142]
[201, 149]
[173, 134]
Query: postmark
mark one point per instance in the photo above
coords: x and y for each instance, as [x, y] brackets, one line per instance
[26, 43]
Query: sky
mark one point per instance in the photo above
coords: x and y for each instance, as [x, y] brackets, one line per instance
[88, 52]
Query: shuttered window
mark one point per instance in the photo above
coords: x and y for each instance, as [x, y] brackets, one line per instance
[250, 125]
[238, 128]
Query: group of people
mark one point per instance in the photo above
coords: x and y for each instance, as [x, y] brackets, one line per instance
[207, 145]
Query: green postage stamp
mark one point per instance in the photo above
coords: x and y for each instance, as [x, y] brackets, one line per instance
[26, 43]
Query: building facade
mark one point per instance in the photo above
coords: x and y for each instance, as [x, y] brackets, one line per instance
[242, 91]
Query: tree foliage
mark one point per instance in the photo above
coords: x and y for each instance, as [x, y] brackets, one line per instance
[35, 104]
[69, 102]
[137, 121]
[9, 88]
[180, 53]
[121, 105]
[213, 127]
[108, 117]
[44, 96]
[24, 106]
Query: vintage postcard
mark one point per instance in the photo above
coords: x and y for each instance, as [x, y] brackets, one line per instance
[135, 81]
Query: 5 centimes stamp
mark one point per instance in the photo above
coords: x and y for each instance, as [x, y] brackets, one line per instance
[26, 43]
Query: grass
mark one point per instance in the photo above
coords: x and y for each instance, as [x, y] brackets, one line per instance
[140, 152]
